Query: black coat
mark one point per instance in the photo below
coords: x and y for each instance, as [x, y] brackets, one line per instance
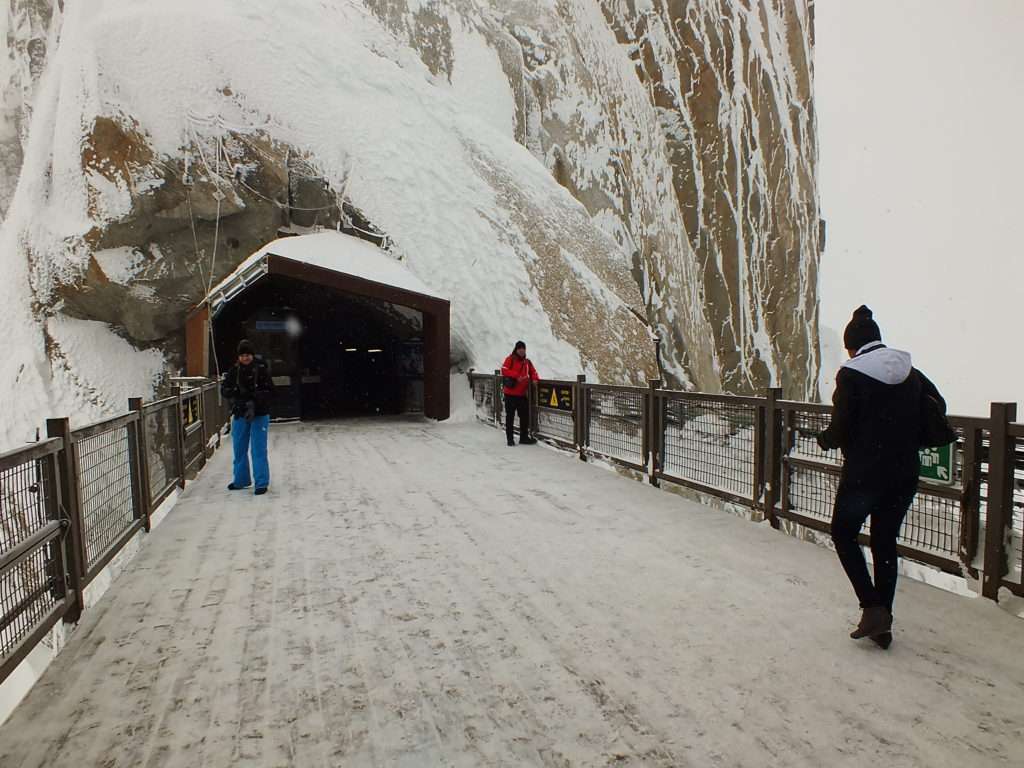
[244, 383]
[876, 419]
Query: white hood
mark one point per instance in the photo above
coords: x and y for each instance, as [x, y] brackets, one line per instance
[889, 366]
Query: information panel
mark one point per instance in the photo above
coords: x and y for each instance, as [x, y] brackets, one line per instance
[557, 397]
[937, 464]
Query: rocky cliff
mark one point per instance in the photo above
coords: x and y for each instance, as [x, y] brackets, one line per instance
[585, 174]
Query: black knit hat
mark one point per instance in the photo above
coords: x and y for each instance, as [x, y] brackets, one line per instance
[245, 348]
[861, 330]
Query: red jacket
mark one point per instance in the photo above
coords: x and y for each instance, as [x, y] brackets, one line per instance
[515, 367]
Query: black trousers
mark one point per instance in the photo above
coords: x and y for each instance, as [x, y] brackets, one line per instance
[517, 404]
[886, 503]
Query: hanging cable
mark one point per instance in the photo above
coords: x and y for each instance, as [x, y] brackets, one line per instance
[216, 225]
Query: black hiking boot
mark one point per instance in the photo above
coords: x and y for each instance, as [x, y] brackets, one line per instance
[511, 443]
[883, 640]
[233, 487]
[260, 491]
[875, 620]
[527, 441]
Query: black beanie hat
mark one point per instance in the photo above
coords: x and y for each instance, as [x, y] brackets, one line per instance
[245, 348]
[519, 345]
[861, 330]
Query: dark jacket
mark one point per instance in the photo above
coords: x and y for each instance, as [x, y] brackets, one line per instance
[245, 383]
[876, 419]
[516, 366]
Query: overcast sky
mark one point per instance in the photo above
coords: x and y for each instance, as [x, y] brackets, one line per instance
[921, 119]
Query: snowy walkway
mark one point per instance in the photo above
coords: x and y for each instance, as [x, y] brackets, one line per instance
[421, 595]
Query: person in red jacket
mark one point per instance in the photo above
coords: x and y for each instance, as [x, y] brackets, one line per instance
[517, 372]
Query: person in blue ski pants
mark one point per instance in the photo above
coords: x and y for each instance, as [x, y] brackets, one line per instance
[249, 387]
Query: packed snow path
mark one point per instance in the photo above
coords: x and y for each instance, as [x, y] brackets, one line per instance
[416, 594]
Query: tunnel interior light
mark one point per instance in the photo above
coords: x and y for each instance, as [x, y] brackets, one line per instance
[351, 349]
[371, 351]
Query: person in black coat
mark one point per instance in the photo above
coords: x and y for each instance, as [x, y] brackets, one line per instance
[876, 422]
[248, 386]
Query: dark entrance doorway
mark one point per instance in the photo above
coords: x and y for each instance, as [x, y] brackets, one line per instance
[345, 329]
[330, 353]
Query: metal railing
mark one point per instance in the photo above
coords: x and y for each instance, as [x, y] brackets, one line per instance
[106, 473]
[762, 452]
[613, 427]
[549, 416]
[708, 443]
[69, 504]
[33, 591]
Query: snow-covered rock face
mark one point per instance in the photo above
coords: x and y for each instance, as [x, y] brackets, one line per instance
[687, 130]
[731, 83]
[25, 27]
[567, 173]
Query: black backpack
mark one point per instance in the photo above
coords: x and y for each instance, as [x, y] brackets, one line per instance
[935, 430]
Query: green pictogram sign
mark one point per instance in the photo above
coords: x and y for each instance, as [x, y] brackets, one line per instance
[937, 464]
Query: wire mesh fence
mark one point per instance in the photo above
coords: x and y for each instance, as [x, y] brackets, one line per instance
[483, 397]
[192, 424]
[105, 490]
[554, 423]
[1015, 576]
[26, 598]
[30, 537]
[809, 491]
[803, 430]
[54, 542]
[161, 424]
[216, 412]
[23, 498]
[933, 525]
[616, 419]
[709, 441]
[764, 450]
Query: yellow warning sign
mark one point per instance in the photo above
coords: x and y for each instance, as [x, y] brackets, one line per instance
[190, 411]
[554, 396]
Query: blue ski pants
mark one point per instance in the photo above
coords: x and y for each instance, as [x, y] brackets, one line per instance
[246, 435]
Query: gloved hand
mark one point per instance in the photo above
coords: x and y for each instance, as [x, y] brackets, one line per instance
[250, 410]
[820, 437]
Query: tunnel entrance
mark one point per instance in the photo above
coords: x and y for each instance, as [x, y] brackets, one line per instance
[330, 353]
[337, 342]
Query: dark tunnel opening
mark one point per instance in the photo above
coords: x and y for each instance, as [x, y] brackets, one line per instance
[331, 354]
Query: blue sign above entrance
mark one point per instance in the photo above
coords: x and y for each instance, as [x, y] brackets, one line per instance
[271, 325]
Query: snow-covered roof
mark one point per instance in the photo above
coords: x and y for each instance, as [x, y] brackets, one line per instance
[328, 250]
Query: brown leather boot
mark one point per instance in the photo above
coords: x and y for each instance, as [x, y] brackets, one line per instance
[883, 640]
[875, 620]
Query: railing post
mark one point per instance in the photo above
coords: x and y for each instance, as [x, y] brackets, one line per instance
[223, 414]
[204, 430]
[533, 399]
[497, 397]
[50, 481]
[760, 427]
[970, 499]
[70, 494]
[1000, 498]
[179, 433]
[581, 415]
[139, 447]
[772, 467]
[655, 431]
